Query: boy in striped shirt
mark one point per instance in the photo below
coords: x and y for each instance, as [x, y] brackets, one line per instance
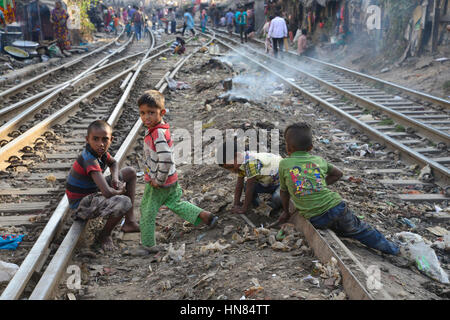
[160, 173]
[117, 191]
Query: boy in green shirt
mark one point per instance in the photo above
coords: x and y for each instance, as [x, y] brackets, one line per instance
[304, 178]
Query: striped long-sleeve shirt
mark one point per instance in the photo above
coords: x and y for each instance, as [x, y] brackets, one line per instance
[159, 158]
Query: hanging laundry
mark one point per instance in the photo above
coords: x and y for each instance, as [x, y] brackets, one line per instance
[7, 6]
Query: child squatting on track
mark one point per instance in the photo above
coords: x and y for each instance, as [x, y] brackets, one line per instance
[304, 179]
[117, 191]
[162, 186]
[260, 170]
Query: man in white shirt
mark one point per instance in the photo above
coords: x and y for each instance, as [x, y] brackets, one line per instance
[277, 31]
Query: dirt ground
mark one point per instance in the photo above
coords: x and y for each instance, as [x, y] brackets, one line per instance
[235, 261]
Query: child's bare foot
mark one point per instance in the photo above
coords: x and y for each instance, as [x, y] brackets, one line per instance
[107, 244]
[130, 226]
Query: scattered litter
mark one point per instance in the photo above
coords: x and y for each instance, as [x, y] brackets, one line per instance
[200, 237]
[50, 178]
[441, 59]
[7, 271]
[216, 246]
[366, 117]
[355, 180]
[280, 235]
[10, 241]
[227, 229]
[443, 243]
[438, 209]
[360, 151]
[425, 174]
[140, 174]
[280, 246]
[414, 248]
[407, 222]
[314, 281]
[438, 231]
[176, 255]
[325, 141]
[177, 85]
[253, 291]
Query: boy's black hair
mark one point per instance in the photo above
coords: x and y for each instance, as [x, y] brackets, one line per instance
[98, 124]
[153, 99]
[224, 157]
[304, 32]
[298, 136]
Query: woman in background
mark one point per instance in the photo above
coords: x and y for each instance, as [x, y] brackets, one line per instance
[59, 19]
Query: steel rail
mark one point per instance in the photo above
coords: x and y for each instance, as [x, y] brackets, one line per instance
[441, 172]
[387, 84]
[24, 84]
[37, 253]
[13, 123]
[54, 271]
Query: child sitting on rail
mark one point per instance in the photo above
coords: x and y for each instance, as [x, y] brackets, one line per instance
[257, 173]
[304, 179]
[178, 46]
[162, 186]
[117, 191]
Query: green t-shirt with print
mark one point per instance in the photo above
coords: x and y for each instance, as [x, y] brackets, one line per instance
[303, 176]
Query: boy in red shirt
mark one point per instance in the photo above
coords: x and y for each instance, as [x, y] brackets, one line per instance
[160, 173]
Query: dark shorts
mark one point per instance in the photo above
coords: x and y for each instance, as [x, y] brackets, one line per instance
[96, 205]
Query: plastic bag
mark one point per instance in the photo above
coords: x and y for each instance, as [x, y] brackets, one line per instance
[414, 248]
[7, 271]
[54, 51]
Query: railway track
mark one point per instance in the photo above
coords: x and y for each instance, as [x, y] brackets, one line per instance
[396, 122]
[44, 181]
[62, 146]
[57, 75]
[391, 145]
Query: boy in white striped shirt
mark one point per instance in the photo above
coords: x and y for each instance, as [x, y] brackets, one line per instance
[160, 173]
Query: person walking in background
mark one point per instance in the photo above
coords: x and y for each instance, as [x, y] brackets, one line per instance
[173, 21]
[229, 20]
[277, 32]
[137, 20]
[266, 27]
[188, 23]
[236, 19]
[302, 42]
[243, 19]
[59, 19]
[204, 20]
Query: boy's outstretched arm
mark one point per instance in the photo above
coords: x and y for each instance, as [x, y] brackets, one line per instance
[105, 189]
[249, 190]
[333, 175]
